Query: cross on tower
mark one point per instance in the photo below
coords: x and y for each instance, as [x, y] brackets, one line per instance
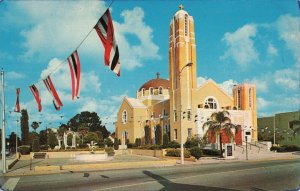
[180, 7]
[157, 74]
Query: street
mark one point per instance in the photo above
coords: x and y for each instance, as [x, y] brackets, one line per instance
[252, 175]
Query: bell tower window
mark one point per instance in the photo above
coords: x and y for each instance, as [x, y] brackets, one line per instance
[186, 25]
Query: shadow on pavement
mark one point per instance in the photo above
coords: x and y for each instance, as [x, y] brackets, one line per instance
[169, 185]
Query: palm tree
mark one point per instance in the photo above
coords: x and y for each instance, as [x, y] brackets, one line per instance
[35, 125]
[218, 122]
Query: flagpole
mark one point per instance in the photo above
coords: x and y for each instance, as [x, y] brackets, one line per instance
[3, 124]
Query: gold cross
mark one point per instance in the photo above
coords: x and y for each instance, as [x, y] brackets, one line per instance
[180, 6]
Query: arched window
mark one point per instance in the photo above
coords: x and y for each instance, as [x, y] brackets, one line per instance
[160, 90]
[124, 116]
[151, 91]
[210, 103]
[143, 92]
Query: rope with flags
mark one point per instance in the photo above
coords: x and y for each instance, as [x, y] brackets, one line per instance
[105, 30]
[17, 107]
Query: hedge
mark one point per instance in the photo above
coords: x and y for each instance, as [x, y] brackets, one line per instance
[211, 152]
[285, 148]
[196, 152]
[177, 153]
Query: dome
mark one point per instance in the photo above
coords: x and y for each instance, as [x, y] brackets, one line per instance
[156, 83]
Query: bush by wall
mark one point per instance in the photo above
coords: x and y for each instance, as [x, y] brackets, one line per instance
[211, 152]
[116, 144]
[138, 142]
[174, 144]
[285, 148]
[110, 151]
[44, 147]
[24, 149]
[177, 153]
[196, 152]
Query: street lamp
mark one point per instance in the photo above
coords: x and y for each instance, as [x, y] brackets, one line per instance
[181, 117]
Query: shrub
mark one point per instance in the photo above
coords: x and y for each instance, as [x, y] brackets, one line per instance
[166, 140]
[108, 142]
[116, 144]
[285, 148]
[130, 145]
[138, 142]
[177, 153]
[196, 152]
[174, 144]
[110, 151]
[24, 149]
[196, 141]
[211, 152]
[44, 147]
[35, 146]
[155, 147]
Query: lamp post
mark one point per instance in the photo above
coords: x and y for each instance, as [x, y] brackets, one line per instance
[181, 116]
[3, 124]
[274, 130]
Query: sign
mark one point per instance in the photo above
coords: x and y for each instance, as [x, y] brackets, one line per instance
[229, 150]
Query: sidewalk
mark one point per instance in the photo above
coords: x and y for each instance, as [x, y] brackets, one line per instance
[54, 166]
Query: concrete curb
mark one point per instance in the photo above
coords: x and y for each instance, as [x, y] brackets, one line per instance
[40, 170]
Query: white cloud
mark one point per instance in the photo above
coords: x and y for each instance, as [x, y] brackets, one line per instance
[272, 51]
[226, 86]
[262, 103]
[287, 78]
[260, 83]
[201, 80]
[134, 25]
[288, 28]
[58, 34]
[12, 75]
[240, 45]
[62, 80]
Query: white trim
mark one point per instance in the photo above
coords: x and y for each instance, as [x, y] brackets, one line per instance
[212, 97]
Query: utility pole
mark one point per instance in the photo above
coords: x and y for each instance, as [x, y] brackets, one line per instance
[274, 130]
[3, 124]
[246, 137]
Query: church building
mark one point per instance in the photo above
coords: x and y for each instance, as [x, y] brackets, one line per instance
[179, 103]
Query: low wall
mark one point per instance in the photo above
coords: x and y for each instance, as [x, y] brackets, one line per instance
[65, 154]
[151, 153]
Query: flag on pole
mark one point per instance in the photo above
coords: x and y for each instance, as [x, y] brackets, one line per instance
[49, 85]
[17, 108]
[105, 30]
[74, 64]
[36, 96]
[299, 4]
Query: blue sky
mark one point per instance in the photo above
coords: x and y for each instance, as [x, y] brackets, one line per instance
[255, 41]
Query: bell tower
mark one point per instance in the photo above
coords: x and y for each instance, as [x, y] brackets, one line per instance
[182, 73]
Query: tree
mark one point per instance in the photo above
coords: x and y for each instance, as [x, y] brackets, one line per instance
[91, 136]
[35, 125]
[108, 142]
[219, 122]
[35, 145]
[166, 140]
[52, 140]
[12, 140]
[43, 137]
[147, 135]
[24, 127]
[158, 135]
[32, 136]
[61, 129]
[91, 120]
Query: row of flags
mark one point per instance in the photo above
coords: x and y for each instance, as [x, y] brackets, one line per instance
[105, 31]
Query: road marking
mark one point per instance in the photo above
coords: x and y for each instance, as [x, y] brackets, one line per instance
[193, 176]
[10, 184]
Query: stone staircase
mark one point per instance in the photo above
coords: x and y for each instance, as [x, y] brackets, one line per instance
[254, 151]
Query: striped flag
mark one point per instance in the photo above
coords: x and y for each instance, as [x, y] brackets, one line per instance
[36, 96]
[105, 30]
[17, 107]
[74, 64]
[49, 85]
